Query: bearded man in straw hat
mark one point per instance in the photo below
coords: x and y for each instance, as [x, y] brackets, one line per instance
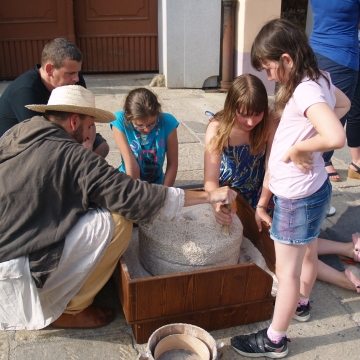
[67, 215]
[60, 65]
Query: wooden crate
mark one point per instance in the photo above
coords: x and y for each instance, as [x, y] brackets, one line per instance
[213, 298]
[261, 241]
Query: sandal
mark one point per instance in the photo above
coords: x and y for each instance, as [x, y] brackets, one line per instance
[335, 173]
[356, 241]
[354, 174]
[353, 274]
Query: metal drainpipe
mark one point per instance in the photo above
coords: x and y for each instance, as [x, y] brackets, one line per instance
[227, 71]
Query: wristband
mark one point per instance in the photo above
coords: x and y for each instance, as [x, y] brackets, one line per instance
[261, 207]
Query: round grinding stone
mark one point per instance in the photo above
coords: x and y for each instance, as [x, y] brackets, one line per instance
[193, 242]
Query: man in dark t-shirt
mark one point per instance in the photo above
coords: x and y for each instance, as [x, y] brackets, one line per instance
[60, 65]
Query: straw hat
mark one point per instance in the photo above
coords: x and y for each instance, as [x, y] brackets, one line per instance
[74, 99]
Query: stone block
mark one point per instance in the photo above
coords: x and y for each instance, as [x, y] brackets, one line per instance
[4, 345]
[191, 157]
[192, 242]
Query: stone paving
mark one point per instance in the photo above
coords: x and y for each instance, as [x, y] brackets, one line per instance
[333, 331]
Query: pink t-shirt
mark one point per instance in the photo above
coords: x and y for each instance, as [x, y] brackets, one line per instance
[286, 180]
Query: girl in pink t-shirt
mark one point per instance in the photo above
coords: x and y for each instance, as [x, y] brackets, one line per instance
[310, 108]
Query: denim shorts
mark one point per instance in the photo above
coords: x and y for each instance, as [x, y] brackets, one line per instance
[298, 222]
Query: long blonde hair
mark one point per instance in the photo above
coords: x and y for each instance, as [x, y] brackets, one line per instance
[247, 94]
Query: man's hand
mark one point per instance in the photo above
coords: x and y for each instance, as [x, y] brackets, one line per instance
[223, 195]
[89, 142]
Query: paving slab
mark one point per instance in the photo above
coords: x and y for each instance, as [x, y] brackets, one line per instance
[113, 159]
[346, 220]
[342, 155]
[349, 299]
[4, 345]
[191, 157]
[185, 136]
[110, 103]
[190, 178]
[329, 326]
[105, 346]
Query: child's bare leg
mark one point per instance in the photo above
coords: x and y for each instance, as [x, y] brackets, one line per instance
[326, 247]
[328, 274]
[289, 259]
[309, 269]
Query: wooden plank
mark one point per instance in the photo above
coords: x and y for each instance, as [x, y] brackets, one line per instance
[157, 296]
[261, 241]
[118, 29]
[31, 24]
[209, 320]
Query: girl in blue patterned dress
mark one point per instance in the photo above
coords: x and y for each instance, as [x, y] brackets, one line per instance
[144, 136]
[238, 142]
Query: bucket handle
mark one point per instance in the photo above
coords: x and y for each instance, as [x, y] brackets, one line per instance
[220, 351]
[143, 357]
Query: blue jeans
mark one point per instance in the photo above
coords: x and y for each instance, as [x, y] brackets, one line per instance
[298, 222]
[345, 79]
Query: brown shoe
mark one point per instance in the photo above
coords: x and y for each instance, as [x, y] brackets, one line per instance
[354, 174]
[90, 318]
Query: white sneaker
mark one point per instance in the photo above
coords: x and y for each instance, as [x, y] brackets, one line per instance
[330, 211]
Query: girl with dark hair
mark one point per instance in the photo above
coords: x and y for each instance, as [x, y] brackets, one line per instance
[144, 135]
[310, 108]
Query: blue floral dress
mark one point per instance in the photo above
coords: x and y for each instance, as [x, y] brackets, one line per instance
[244, 172]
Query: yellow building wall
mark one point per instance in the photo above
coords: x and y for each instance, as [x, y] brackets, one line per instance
[250, 16]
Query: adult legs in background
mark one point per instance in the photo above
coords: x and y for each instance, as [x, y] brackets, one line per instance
[353, 133]
[345, 79]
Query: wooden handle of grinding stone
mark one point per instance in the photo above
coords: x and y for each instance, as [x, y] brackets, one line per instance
[225, 229]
